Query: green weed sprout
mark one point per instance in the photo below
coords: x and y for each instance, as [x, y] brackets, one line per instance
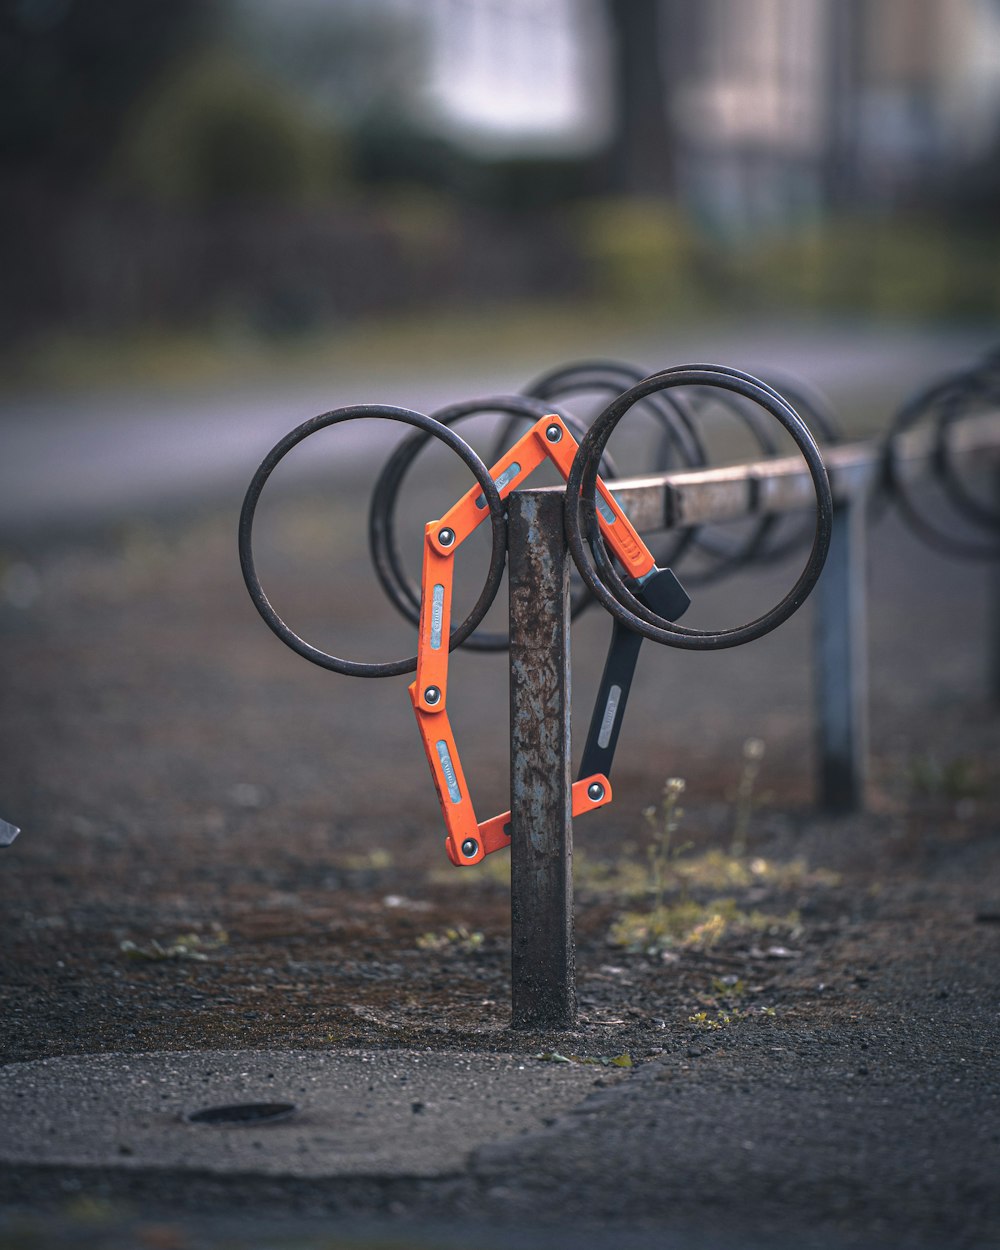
[663, 853]
[753, 753]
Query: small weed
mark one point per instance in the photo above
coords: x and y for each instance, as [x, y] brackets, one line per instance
[702, 1020]
[375, 859]
[493, 870]
[690, 925]
[753, 753]
[663, 852]
[714, 869]
[717, 870]
[625, 877]
[605, 1061]
[729, 987]
[185, 946]
[459, 939]
[724, 1016]
[728, 999]
[953, 779]
[683, 921]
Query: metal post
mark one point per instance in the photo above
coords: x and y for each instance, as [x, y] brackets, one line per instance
[543, 953]
[841, 660]
[993, 571]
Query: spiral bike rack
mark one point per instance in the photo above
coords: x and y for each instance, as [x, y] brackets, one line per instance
[941, 409]
[594, 527]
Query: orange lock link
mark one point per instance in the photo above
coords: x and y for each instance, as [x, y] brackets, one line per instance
[524, 457]
[468, 841]
[589, 793]
[435, 617]
[449, 781]
[615, 525]
[508, 473]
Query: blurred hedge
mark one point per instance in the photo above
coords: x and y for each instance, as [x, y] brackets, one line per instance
[218, 132]
[646, 256]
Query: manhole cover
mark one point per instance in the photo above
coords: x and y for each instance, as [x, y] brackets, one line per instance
[243, 1113]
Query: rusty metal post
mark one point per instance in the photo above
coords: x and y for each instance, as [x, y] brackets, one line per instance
[543, 952]
[841, 651]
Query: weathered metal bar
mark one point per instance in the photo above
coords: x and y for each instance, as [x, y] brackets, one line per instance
[841, 666]
[782, 483]
[543, 952]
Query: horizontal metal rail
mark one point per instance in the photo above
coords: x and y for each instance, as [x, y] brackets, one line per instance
[782, 483]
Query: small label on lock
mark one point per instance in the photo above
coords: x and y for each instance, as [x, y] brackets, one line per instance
[437, 616]
[610, 712]
[448, 768]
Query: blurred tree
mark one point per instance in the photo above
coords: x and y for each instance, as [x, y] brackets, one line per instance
[220, 131]
[347, 65]
[641, 159]
[359, 71]
[71, 70]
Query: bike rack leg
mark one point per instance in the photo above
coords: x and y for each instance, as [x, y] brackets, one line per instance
[994, 609]
[841, 649]
[543, 952]
[994, 640]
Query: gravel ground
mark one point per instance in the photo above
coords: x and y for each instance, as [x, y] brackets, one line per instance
[226, 848]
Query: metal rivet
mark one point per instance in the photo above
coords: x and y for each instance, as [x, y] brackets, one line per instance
[446, 537]
[470, 847]
[553, 433]
[432, 695]
[595, 791]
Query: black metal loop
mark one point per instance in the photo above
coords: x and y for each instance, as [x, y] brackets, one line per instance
[765, 544]
[810, 403]
[728, 555]
[978, 392]
[610, 378]
[945, 402]
[680, 445]
[609, 587]
[386, 557]
[357, 412]
[818, 413]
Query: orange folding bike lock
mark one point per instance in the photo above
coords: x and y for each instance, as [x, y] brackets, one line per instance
[468, 840]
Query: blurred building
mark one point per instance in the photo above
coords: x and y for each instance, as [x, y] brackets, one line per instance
[776, 107]
[789, 107]
[772, 109]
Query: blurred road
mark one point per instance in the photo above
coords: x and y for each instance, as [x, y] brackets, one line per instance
[95, 456]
